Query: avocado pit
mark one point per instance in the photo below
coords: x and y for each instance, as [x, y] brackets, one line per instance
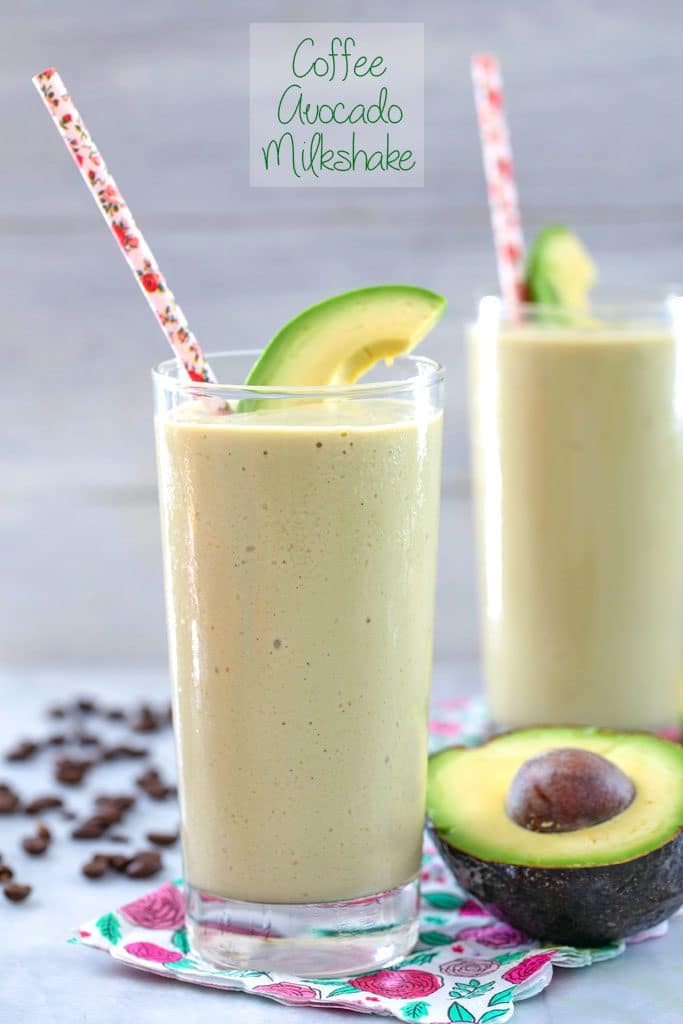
[567, 789]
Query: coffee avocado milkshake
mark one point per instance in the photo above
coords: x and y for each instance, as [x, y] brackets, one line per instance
[299, 519]
[300, 547]
[577, 442]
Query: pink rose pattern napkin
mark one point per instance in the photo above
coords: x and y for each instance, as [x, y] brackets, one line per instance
[468, 966]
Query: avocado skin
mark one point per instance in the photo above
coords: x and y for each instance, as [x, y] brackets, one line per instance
[582, 906]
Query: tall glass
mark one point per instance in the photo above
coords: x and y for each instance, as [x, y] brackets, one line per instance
[577, 444]
[299, 537]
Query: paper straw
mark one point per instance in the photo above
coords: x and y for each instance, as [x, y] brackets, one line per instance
[500, 178]
[116, 212]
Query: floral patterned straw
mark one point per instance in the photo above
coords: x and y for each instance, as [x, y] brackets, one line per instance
[116, 212]
[500, 178]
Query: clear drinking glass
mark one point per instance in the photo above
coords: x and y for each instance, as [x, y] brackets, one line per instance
[299, 537]
[577, 445]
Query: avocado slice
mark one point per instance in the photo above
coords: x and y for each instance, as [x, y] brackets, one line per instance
[559, 271]
[583, 885]
[336, 341]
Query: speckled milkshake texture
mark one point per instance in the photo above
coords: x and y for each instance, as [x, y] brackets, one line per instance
[300, 553]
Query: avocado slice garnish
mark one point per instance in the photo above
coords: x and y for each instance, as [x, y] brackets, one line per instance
[336, 341]
[559, 272]
[567, 883]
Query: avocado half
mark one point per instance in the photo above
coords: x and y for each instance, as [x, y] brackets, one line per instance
[582, 887]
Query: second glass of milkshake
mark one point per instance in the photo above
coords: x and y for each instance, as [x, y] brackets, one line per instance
[577, 450]
[300, 537]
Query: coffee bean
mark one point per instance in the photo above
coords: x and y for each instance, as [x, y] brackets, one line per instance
[150, 777]
[96, 867]
[86, 705]
[86, 739]
[162, 838]
[35, 845]
[15, 892]
[6, 873]
[9, 800]
[109, 813]
[151, 783]
[91, 828]
[145, 720]
[144, 864]
[158, 792]
[43, 803]
[118, 861]
[22, 752]
[43, 831]
[57, 739]
[71, 770]
[56, 711]
[115, 714]
[122, 801]
[123, 750]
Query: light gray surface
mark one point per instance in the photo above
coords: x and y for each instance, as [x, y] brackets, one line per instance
[47, 981]
[593, 93]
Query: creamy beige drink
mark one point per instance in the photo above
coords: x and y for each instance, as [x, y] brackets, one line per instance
[300, 550]
[577, 440]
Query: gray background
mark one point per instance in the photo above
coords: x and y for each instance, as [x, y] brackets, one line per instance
[594, 93]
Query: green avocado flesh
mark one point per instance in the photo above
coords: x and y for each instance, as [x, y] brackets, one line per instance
[559, 270]
[595, 884]
[337, 341]
[468, 788]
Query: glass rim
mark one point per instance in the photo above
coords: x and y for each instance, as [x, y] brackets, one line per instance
[429, 372]
[666, 304]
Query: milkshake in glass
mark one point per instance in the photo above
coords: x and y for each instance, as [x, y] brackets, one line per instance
[300, 550]
[577, 446]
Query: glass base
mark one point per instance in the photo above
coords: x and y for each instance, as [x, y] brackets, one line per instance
[313, 940]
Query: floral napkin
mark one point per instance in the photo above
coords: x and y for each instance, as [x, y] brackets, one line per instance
[468, 966]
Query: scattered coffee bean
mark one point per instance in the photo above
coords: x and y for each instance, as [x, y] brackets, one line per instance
[91, 828]
[57, 739]
[22, 752]
[71, 770]
[118, 861]
[151, 783]
[9, 800]
[162, 838]
[56, 711]
[115, 714]
[123, 801]
[86, 739]
[96, 867]
[43, 831]
[6, 873]
[15, 892]
[144, 864]
[43, 803]
[123, 750]
[86, 705]
[145, 720]
[35, 845]
[109, 813]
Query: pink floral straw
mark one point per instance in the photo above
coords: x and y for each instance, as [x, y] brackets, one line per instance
[116, 212]
[500, 178]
